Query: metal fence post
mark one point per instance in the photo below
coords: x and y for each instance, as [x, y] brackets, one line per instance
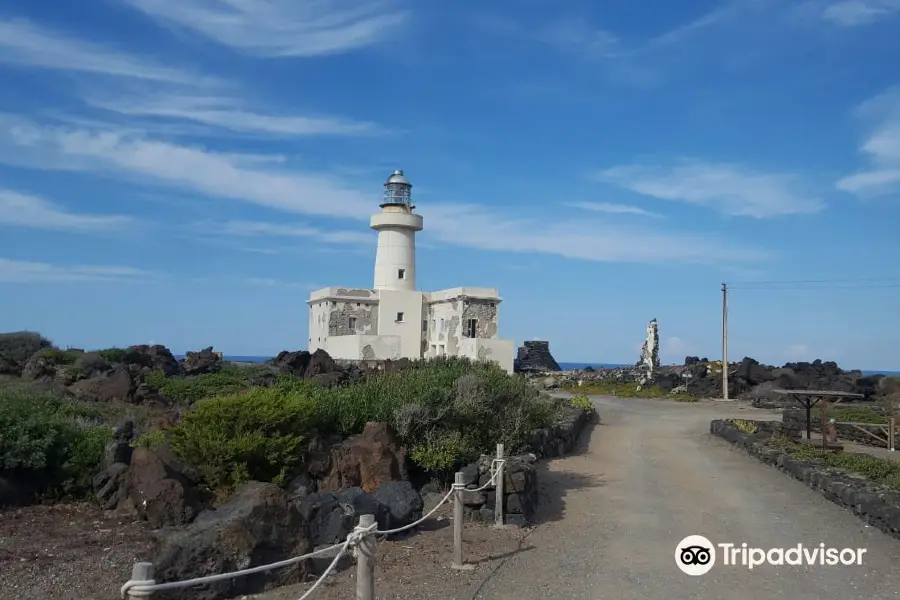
[365, 562]
[499, 498]
[141, 572]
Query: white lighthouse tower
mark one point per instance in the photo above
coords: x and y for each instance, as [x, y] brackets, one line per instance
[396, 224]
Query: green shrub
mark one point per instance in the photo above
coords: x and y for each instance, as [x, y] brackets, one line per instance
[258, 435]
[191, 389]
[46, 440]
[852, 414]
[19, 346]
[60, 357]
[583, 402]
[113, 355]
[879, 470]
[89, 362]
[748, 427]
[150, 439]
[446, 411]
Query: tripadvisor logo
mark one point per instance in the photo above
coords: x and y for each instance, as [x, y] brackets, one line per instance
[696, 555]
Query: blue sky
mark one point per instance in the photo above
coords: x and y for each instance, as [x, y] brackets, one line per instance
[185, 171]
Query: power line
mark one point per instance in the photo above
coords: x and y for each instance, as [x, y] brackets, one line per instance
[819, 284]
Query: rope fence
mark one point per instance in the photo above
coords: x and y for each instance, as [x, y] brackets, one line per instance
[360, 543]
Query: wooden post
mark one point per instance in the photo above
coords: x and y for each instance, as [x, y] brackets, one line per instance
[458, 521]
[365, 562]
[824, 406]
[498, 491]
[891, 426]
[142, 572]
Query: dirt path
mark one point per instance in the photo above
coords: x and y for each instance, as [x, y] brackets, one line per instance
[653, 475]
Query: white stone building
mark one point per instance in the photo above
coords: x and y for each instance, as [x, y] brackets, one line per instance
[395, 320]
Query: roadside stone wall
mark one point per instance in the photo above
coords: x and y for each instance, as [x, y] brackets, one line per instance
[796, 420]
[560, 439]
[875, 504]
[520, 490]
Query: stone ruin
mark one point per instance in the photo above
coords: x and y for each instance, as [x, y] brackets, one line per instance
[648, 364]
[535, 356]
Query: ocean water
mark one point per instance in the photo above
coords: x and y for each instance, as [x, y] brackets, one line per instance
[565, 366]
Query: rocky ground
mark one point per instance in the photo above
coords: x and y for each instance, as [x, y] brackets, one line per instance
[68, 552]
[748, 379]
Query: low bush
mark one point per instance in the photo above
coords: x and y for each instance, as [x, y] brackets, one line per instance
[60, 357]
[583, 402]
[113, 355]
[257, 435]
[19, 346]
[748, 427]
[90, 362]
[446, 411]
[852, 414]
[879, 470]
[189, 390]
[47, 442]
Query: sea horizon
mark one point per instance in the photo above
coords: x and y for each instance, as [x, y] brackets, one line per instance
[564, 365]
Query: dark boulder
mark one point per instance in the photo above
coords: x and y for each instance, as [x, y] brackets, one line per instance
[535, 356]
[162, 489]
[366, 460]
[116, 385]
[402, 501]
[202, 362]
[257, 526]
[40, 366]
[144, 358]
[294, 363]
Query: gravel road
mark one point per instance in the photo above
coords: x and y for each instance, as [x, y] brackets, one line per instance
[650, 476]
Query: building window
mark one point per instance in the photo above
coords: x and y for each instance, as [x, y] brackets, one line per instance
[443, 325]
[399, 317]
[441, 351]
[433, 350]
[401, 273]
[492, 305]
[471, 328]
[353, 323]
[424, 325]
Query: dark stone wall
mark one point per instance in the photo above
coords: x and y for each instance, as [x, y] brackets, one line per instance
[875, 504]
[520, 498]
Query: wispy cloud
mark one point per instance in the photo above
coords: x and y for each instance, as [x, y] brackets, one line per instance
[851, 13]
[25, 210]
[615, 209]
[126, 154]
[25, 44]
[265, 229]
[580, 37]
[219, 176]
[727, 188]
[474, 227]
[881, 147]
[17, 271]
[233, 115]
[275, 28]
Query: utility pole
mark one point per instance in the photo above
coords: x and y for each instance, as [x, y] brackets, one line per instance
[724, 341]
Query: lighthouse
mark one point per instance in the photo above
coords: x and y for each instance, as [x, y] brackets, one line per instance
[396, 224]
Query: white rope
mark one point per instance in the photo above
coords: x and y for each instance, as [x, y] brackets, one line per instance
[453, 489]
[147, 587]
[152, 586]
